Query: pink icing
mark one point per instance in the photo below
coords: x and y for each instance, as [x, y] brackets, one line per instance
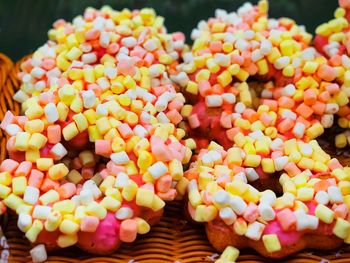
[104, 239]
[285, 238]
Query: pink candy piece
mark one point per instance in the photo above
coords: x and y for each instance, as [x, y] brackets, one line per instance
[286, 218]
[103, 147]
[23, 169]
[128, 230]
[125, 130]
[125, 67]
[8, 119]
[67, 190]
[54, 134]
[8, 165]
[251, 213]
[341, 210]
[36, 178]
[163, 184]
[89, 224]
[105, 239]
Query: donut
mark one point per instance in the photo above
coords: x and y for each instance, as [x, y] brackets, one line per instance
[96, 152]
[332, 39]
[232, 52]
[263, 182]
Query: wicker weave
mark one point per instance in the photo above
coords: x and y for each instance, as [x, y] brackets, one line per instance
[172, 240]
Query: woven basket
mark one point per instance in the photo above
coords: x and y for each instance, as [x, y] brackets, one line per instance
[172, 240]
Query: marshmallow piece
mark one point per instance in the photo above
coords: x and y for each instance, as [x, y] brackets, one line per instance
[322, 197]
[121, 180]
[120, 158]
[129, 42]
[282, 62]
[221, 198]
[213, 101]
[289, 90]
[276, 144]
[157, 169]
[31, 195]
[89, 58]
[332, 108]
[85, 197]
[59, 151]
[227, 215]
[124, 213]
[305, 221]
[280, 162]
[327, 120]
[37, 72]
[255, 231]
[89, 98]
[229, 98]
[238, 205]
[335, 195]
[104, 39]
[266, 212]
[41, 212]
[268, 197]
[251, 174]
[150, 44]
[241, 176]
[24, 222]
[92, 187]
[299, 130]
[51, 112]
[306, 149]
[140, 131]
[38, 253]
[13, 129]
[265, 47]
[240, 107]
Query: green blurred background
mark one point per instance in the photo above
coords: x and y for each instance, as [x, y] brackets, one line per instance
[24, 23]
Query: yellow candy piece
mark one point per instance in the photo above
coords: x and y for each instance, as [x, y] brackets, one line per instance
[271, 243]
[19, 185]
[324, 214]
[341, 228]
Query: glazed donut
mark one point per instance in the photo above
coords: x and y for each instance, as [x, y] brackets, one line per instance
[97, 151]
[266, 133]
[233, 50]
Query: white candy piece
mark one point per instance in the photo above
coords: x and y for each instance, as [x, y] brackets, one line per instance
[13, 129]
[124, 213]
[222, 59]
[89, 58]
[111, 73]
[104, 39]
[240, 107]
[268, 197]
[120, 158]
[265, 47]
[322, 197]
[89, 98]
[238, 205]
[150, 45]
[251, 174]
[229, 98]
[140, 131]
[241, 176]
[276, 144]
[129, 42]
[121, 180]
[221, 197]
[24, 222]
[20, 96]
[305, 221]
[162, 118]
[327, 120]
[335, 195]
[227, 215]
[51, 112]
[85, 197]
[103, 83]
[213, 101]
[282, 62]
[257, 55]
[41, 212]
[299, 130]
[37, 72]
[288, 90]
[102, 110]
[59, 151]
[93, 188]
[255, 230]
[182, 79]
[280, 162]
[266, 212]
[332, 108]
[306, 149]
[31, 195]
[38, 253]
[157, 169]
